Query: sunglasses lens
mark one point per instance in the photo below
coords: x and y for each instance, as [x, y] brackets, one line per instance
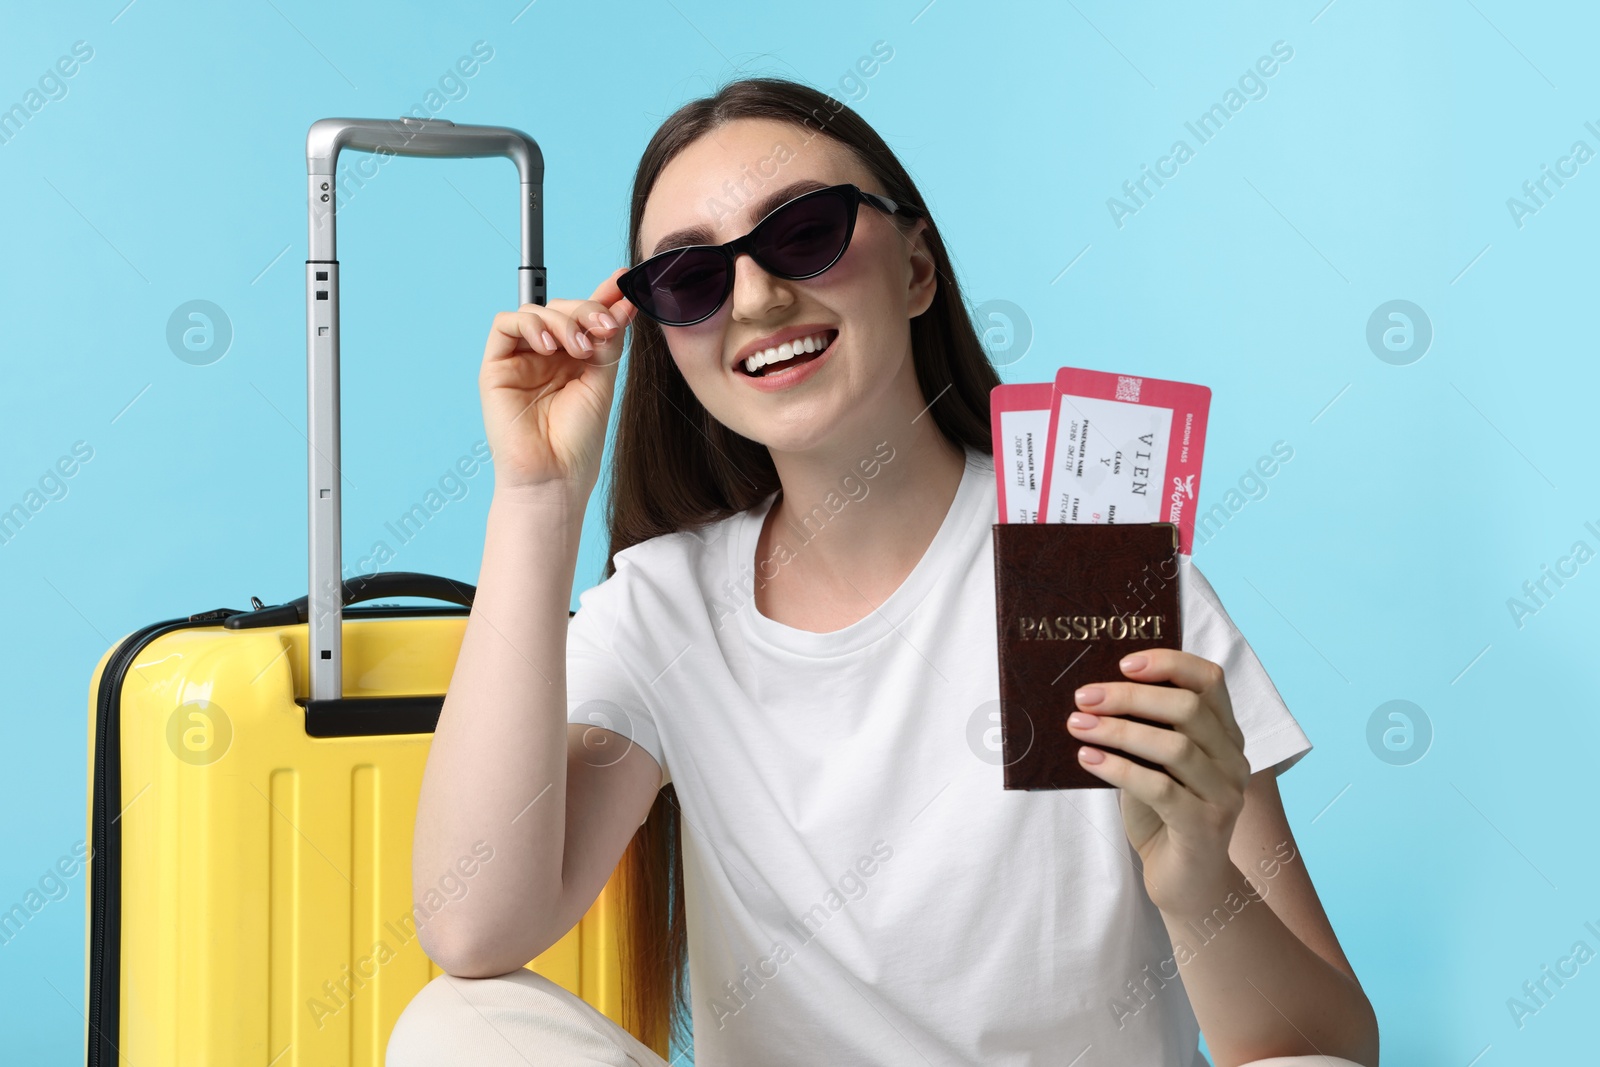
[800, 240]
[681, 288]
[805, 238]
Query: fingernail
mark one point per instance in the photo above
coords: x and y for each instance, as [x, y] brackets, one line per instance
[549, 342]
[1091, 695]
[1133, 663]
[1091, 755]
[607, 321]
[1080, 721]
[584, 342]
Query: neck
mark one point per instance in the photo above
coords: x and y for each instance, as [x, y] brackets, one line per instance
[851, 522]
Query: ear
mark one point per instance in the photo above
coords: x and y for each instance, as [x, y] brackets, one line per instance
[923, 280]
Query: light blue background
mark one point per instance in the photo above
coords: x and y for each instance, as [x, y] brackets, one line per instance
[1377, 565]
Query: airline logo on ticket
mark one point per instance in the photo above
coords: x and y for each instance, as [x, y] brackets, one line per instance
[1121, 448]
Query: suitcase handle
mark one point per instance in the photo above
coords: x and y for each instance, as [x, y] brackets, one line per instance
[438, 139]
[412, 136]
[360, 588]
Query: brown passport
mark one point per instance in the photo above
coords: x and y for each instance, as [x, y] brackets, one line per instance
[1072, 599]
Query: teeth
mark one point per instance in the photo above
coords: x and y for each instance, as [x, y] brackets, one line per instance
[787, 350]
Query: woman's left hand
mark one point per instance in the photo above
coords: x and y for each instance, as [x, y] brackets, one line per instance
[1179, 822]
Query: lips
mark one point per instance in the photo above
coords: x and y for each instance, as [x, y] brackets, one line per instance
[791, 373]
[828, 336]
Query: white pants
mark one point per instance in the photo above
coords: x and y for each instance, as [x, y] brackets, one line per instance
[524, 1019]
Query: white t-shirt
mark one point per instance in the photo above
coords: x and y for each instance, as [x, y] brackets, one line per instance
[859, 886]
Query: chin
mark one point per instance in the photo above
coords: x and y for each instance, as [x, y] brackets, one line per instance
[816, 432]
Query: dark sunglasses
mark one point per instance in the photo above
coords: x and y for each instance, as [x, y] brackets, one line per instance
[798, 239]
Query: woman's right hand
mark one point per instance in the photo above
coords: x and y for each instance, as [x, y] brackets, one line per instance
[546, 398]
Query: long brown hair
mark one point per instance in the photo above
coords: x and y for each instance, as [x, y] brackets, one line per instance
[677, 468]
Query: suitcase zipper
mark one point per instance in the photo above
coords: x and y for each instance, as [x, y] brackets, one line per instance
[105, 853]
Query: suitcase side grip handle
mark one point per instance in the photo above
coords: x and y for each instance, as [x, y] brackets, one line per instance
[368, 716]
[362, 587]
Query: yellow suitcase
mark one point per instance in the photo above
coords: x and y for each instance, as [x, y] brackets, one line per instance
[253, 775]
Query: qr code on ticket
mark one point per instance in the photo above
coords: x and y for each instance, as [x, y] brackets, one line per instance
[1128, 388]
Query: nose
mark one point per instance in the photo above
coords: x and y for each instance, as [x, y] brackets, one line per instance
[756, 293]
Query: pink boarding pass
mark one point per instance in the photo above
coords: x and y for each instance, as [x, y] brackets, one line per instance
[1121, 448]
[1019, 421]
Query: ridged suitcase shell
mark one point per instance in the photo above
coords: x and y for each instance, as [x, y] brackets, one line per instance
[259, 872]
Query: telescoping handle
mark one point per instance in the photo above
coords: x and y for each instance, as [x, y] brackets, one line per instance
[409, 137]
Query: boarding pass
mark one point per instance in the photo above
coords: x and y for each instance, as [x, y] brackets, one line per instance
[1098, 447]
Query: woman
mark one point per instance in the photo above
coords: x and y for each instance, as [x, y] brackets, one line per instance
[777, 700]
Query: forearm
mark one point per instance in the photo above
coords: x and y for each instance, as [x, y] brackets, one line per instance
[501, 740]
[1259, 991]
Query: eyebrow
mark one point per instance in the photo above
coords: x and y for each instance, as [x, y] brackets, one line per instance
[701, 235]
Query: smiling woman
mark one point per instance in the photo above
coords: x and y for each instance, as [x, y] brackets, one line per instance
[830, 712]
